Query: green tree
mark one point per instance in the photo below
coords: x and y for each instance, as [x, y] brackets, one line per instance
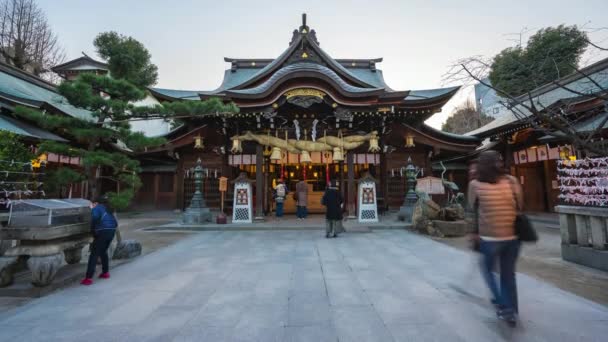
[13, 155]
[465, 119]
[12, 149]
[127, 59]
[551, 53]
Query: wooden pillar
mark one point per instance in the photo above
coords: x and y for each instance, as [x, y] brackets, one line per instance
[384, 175]
[508, 154]
[343, 189]
[156, 181]
[259, 182]
[351, 185]
[266, 185]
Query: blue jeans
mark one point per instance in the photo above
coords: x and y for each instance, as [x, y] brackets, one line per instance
[505, 252]
[301, 211]
[279, 209]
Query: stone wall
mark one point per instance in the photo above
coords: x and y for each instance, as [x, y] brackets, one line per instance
[584, 235]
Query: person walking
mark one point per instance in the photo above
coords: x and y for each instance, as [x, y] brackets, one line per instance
[498, 197]
[103, 227]
[332, 200]
[280, 193]
[301, 197]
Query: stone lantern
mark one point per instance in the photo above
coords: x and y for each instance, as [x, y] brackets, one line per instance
[197, 212]
[407, 209]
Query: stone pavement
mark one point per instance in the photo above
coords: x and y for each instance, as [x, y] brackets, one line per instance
[388, 285]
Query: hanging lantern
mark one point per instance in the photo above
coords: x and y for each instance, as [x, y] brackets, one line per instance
[338, 155]
[276, 154]
[236, 146]
[373, 145]
[305, 157]
[409, 141]
[198, 142]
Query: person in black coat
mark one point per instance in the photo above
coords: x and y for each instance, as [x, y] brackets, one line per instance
[333, 201]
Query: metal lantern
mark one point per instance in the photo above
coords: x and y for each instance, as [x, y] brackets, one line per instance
[198, 142]
[409, 141]
[276, 154]
[338, 155]
[236, 146]
[373, 145]
[305, 157]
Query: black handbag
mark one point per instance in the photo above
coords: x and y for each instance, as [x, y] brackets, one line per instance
[523, 227]
[524, 230]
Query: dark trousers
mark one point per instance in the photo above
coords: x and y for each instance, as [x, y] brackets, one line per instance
[301, 211]
[505, 253]
[333, 227]
[99, 249]
[279, 210]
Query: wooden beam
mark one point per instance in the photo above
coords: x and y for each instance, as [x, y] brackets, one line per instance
[351, 185]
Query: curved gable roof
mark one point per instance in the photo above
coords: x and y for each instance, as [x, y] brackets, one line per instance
[308, 68]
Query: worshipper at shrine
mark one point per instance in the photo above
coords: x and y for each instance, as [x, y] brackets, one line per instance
[103, 228]
[498, 197]
[280, 193]
[301, 197]
[333, 201]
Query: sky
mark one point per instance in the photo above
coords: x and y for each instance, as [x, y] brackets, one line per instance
[418, 40]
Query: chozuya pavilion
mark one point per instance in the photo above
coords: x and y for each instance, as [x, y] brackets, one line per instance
[303, 116]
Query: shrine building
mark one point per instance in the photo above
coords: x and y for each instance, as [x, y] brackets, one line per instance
[303, 116]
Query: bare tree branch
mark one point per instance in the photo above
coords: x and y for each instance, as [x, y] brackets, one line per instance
[26, 39]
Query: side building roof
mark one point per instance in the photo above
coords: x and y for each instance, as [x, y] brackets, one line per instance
[584, 82]
[20, 88]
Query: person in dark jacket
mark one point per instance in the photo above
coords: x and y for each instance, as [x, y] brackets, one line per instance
[332, 200]
[103, 227]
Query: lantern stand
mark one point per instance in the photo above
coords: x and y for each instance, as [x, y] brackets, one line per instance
[407, 209]
[197, 212]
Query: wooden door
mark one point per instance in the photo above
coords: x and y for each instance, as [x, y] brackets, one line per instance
[532, 179]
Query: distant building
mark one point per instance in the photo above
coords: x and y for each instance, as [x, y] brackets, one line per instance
[486, 99]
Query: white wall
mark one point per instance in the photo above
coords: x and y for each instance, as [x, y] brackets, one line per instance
[150, 127]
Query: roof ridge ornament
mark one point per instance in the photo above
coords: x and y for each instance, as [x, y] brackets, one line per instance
[304, 28]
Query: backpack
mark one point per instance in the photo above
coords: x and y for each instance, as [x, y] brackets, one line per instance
[281, 191]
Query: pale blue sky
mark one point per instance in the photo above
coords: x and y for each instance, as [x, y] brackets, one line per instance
[418, 39]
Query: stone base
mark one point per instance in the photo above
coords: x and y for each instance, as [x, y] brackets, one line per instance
[44, 268]
[73, 255]
[7, 265]
[127, 249]
[405, 213]
[196, 216]
[586, 256]
[451, 228]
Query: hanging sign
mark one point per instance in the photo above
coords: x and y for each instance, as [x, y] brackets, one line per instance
[223, 184]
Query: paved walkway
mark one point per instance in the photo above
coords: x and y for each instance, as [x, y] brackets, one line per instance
[297, 286]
